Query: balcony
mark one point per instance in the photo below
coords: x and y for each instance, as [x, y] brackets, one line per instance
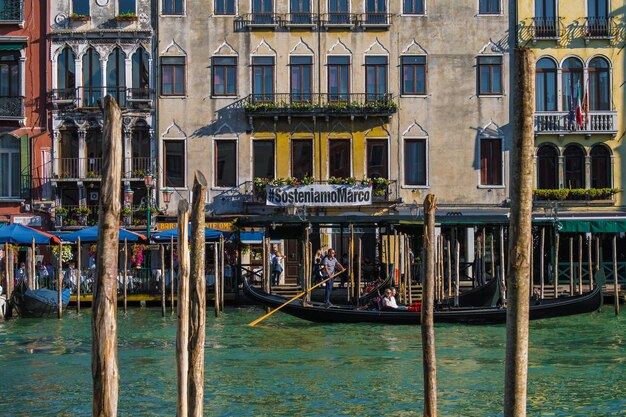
[300, 20]
[74, 169]
[139, 167]
[140, 97]
[545, 28]
[12, 108]
[599, 28]
[333, 104]
[338, 20]
[558, 123]
[12, 12]
[251, 21]
[375, 20]
[91, 97]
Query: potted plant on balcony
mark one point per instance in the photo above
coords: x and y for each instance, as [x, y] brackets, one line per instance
[126, 17]
[82, 213]
[380, 186]
[91, 174]
[60, 213]
[127, 216]
[75, 17]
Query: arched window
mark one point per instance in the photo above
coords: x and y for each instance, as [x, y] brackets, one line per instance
[574, 167]
[547, 168]
[572, 83]
[116, 76]
[66, 74]
[599, 85]
[600, 167]
[545, 81]
[141, 70]
[9, 166]
[92, 78]
[140, 143]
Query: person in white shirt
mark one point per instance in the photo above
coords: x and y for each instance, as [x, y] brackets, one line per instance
[389, 301]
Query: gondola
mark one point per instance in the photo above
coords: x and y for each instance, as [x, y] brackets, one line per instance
[38, 303]
[539, 309]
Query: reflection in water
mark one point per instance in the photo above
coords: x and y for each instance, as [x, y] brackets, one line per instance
[291, 367]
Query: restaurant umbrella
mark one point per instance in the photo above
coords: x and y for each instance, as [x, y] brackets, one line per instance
[90, 234]
[165, 235]
[18, 234]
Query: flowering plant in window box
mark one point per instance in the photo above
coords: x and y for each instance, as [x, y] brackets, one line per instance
[80, 17]
[60, 211]
[66, 253]
[379, 185]
[575, 194]
[340, 180]
[136, 258]
[126, 17]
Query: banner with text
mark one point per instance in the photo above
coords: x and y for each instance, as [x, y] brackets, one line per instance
[319, 195]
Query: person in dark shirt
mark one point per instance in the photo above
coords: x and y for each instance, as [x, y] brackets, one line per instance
[329, 266]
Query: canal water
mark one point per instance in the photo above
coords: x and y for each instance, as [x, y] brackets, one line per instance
[289, 367]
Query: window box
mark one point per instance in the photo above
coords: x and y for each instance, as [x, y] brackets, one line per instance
[577, 194]
[79, 17]
[126, 17]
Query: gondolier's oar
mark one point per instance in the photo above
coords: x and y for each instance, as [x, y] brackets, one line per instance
[292, 299]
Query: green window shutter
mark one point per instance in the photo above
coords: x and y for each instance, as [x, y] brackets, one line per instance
[25, 173]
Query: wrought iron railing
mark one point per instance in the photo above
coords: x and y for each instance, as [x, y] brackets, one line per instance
[300, 19]
[12, 11]
[140, 97]
[11, 108]
[140, 166]
[561, 122]
[599, 28]
[545, 28]
[77, 168]
[375, 19]
[338, 19]
[69, 168]
[118, 93]
[90, 97]
[327, 103]
[257, 20]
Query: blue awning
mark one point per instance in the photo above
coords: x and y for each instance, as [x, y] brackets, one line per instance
[166, 235]
[90, 234]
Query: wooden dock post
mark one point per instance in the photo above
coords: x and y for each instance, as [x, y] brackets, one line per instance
[589, 244]
[542, 281]
[80, 275]
[31, 264]
[267, 273]
[556, 265]
[571, 266]
[60, 281]
[457, 261]
[520, 235]
[360, 271]
[125, 274]
[502, 267]
[449, 274]
[351, 264]
[197, 300]
[222, 266]
[429, 358]
[580, 264]
[182, 322]
[7, 278]
[162, 281]
[216, 285]
[104, 368]
[615, 276]
[172, 273]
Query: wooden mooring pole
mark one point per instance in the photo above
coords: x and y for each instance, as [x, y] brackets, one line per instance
[162, 253]
[80, 274]
[580, 264]
[571, 266]
[556, 266]
[429, 358]
[172, 281]
[216, 285]
[60, 281]
[615, 276]
[590, 267]
[542, 271]
[104, 368]
[125, 292]
[182, 323]
[197, 300]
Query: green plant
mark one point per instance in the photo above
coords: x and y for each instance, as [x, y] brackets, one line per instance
[91, 174]
[575, 194]
[66, 253]
[127, 16]
[138, 173]
[340, 180]
[81, 210]
[60, 211]
[76, 16]
[126, 211]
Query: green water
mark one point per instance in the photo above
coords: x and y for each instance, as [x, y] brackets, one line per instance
[289, 367]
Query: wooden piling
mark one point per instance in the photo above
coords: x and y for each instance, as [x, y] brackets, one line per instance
[351, 264]
[7, 277]
[542, 270]
[80, 275]
[172, 273]
[449, 265]
[571, 266]
[60, 281]
[216, 285]
[30, 277]
[360, 271]
[162, 280]
[589, 243]
[222, 266]
[125, 275]
[477, 277]
[503, 286]
[532, 264]
[427, 315]
[182, 327]
[580, 264]
[598, 263]
[33, 267]
[197, 299]
[483, 258]
[615, 276]
[556, 266]
[104, 368]
[457, 261]
[493, 257]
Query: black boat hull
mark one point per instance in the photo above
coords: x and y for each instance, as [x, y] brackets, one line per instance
[547, 308]
[38, 303]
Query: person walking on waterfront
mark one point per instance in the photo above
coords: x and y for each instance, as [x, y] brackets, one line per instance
[330, 264]
[20, 276]
[277, 268]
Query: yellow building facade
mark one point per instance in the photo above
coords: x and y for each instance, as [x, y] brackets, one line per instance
[579, 124]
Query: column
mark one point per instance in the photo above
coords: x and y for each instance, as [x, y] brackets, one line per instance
[587, 171]
[561, 171]
[469, 250]
[127, 166]
[82, 159]
[78, 64]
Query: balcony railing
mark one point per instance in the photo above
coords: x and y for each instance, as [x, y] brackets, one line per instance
[90, 97]
[339, 20]
[339, 104]
[375, 20]
[79, 168]
[599, 28]
[140, 166]
[300, 20]
[139, 97]
[598, 122]
[11, 108]
[12, 11]
[545, 28]
[257, 21]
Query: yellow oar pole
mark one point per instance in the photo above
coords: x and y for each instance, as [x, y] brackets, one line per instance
[253, 323]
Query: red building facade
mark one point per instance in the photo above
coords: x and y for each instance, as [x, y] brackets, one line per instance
[25, 141]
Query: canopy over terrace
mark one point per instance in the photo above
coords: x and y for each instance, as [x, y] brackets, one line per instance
[166, 235]
[581, 224]
[24, 235]
[90, 234]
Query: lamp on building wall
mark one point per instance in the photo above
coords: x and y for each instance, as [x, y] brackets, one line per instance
[167, 195]
[147, 180]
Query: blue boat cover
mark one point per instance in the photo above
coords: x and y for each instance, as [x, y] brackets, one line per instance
[49, 297]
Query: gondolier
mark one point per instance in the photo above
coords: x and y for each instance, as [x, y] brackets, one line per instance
[329, 266]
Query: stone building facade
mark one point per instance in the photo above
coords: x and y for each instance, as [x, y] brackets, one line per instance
[100, 47]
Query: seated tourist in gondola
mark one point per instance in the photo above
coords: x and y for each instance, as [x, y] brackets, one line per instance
[389, 301]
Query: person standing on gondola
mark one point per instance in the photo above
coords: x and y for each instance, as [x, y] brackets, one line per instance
[329, 266]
